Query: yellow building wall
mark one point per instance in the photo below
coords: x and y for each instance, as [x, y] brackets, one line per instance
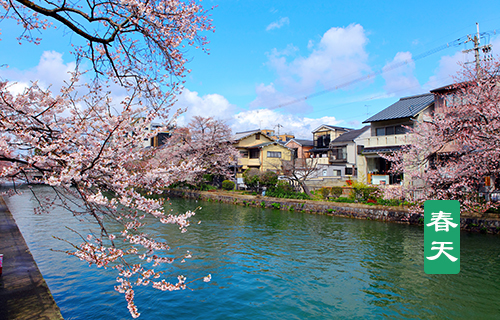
[246, 144]
[252, 141]
[274, 164]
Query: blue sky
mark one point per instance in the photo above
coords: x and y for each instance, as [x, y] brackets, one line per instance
[267, 53]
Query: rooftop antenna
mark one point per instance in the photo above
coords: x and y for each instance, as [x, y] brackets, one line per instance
[279, 126]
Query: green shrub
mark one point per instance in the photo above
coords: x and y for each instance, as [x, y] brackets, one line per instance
[325, 192]
[228, 185]
[268, 179]
[284, 190]
[389, 202]
[208, 177]
[275, 205]
[251, 177]
[363, 192]
[344, 200]
[336, 192]
[206, 187]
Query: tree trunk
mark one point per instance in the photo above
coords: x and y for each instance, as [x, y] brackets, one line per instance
[305, 188]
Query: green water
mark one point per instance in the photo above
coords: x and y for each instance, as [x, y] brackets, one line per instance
[270, 264]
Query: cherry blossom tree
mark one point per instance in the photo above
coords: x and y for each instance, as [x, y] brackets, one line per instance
[450, 155]
[206, 139]
[87, 146]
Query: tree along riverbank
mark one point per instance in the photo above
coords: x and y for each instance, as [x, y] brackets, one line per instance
[394, 214]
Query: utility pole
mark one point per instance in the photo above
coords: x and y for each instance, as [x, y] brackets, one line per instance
[477, 41]
[279, 126]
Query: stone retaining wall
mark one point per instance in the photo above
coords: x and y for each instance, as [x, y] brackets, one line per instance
[348, 210]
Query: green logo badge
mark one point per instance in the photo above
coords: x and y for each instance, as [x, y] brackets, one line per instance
[442, 236]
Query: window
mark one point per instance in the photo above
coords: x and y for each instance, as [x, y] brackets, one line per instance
[339, 153]
[257, 136]
[274, 154]
[348, 171]
[324, 173]
[337, 173]
[386, 131]
[400, 130]
[244, 153]
[254, 153]
[322, 141]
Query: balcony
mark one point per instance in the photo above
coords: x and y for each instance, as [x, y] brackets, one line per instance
[253, 162]
[335, 159]
[390, 140]
[322, 160]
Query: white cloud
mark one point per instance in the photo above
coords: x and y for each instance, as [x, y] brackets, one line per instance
[278, 24]
[399, 77]
[51, 71]
[301, 127]
[210, 105]
[339, 57]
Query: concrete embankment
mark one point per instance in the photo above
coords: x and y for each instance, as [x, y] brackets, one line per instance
[347, 210]
[23, 291]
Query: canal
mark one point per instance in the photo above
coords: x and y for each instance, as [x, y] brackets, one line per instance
[271, 264]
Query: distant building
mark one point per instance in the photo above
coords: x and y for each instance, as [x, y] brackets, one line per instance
[300, 147]
[322, 136]
[260, 151]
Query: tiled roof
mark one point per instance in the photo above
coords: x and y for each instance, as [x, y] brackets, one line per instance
[350, 135]
[303, 142]
[240, 135]
[404, 108]
[331, 127]
[319, 149]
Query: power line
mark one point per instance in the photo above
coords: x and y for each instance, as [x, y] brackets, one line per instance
[385, 69]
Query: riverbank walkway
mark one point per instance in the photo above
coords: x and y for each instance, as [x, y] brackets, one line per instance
[23, 291]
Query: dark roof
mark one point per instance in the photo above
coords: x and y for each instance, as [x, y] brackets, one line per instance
[240, 135]
[303, 142]
[332, 127]
[319, 149]
[404, 108]
[350, 135]
[450, 87]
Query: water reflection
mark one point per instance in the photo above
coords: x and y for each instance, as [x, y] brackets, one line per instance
[270, 264]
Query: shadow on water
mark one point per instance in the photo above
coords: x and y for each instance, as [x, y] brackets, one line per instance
[271, 264]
